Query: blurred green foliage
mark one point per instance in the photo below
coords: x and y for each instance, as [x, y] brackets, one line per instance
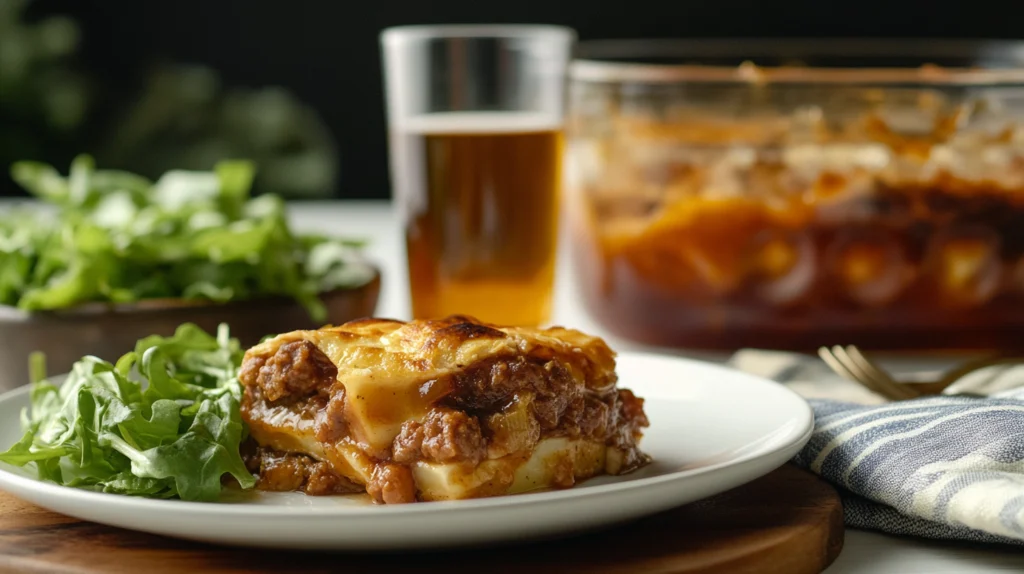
[44, 98]
[180, 117]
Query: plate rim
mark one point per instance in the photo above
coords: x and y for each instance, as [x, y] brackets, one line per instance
[793, 440]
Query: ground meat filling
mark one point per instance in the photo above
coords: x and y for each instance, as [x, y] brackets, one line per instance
[392, 484]
[446, 435]
[627, 431]
[278, 471]
[297, 370]
[300, 377]
[559, 405]
[594, 419]
[331, 423]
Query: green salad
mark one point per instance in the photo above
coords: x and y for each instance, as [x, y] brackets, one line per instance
[117, 237]
[162, 422]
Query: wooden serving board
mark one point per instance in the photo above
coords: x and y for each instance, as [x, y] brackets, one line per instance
[787, 522]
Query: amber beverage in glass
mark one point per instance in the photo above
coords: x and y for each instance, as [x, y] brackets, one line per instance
[475, 118]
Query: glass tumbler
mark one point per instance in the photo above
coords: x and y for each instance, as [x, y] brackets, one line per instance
[475, 120]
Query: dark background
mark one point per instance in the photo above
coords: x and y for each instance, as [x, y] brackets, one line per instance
[327, 52]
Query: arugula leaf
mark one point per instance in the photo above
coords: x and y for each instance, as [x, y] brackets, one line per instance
[174, 433]
[113, 236]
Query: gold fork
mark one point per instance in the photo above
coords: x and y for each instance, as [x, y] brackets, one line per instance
[850, 363]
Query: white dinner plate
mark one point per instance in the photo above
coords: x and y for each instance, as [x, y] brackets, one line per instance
[712, 429]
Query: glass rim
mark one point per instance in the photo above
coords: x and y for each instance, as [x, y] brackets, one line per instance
[609, 61]
[397, 35]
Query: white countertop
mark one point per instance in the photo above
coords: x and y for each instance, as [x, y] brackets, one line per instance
[864, 552]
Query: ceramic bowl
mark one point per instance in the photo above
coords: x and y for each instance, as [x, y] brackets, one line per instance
[108, 331]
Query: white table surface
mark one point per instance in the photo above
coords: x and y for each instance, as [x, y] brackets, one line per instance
[864, 552]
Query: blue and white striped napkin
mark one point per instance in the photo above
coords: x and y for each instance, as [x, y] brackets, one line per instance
[943, 467]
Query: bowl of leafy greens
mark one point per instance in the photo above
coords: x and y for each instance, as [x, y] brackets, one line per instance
[106, 257]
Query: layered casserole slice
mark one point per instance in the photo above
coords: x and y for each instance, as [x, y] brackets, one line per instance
[436, 410]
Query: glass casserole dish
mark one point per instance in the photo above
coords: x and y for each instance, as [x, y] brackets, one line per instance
[790, 194]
